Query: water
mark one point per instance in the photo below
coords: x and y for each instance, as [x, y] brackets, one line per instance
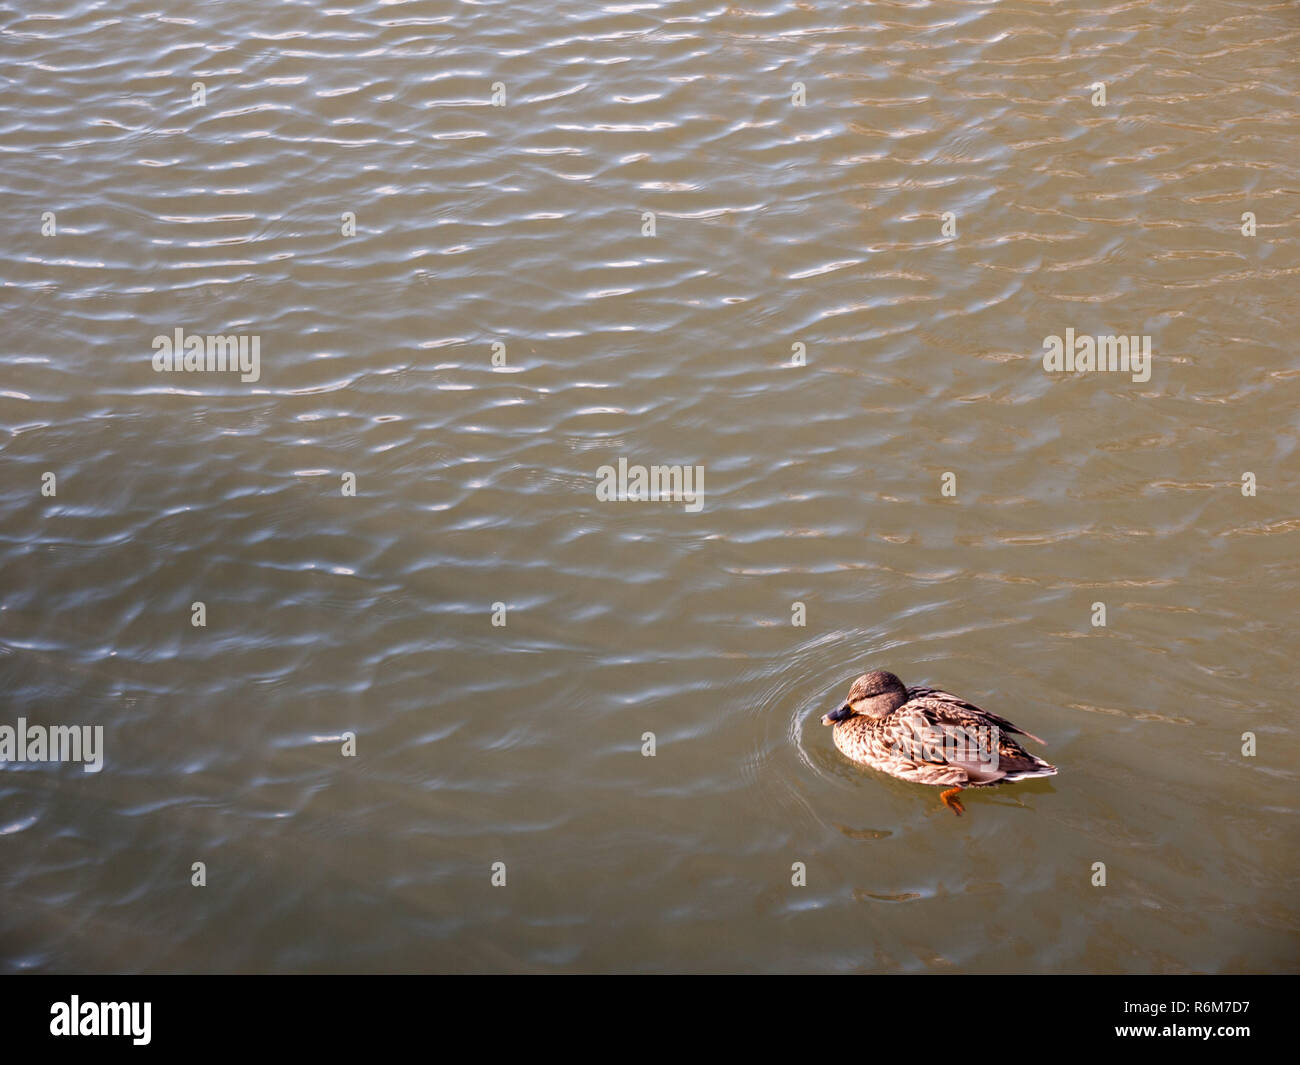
[775, 225]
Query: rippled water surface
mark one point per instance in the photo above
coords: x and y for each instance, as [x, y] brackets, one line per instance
[778, 222]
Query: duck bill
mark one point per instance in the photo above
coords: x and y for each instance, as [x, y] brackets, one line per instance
[837, 715]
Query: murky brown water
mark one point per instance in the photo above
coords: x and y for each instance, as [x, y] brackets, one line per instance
[777, 222]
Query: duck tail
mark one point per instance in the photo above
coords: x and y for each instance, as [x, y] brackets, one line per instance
[1036, 768]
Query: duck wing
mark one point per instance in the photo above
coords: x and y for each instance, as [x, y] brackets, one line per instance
[945, 741]
[905, 744]
[961, 706]
[969, 738]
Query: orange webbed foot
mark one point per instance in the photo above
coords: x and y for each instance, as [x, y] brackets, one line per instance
[951, 801]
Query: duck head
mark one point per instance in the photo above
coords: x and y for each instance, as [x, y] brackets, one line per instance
[873, 694]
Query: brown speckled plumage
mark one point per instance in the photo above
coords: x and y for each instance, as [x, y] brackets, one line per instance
[930, 736]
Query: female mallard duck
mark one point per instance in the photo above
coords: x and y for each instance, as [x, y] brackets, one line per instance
[929, 736]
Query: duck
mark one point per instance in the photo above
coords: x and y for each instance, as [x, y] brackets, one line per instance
[930, 736]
